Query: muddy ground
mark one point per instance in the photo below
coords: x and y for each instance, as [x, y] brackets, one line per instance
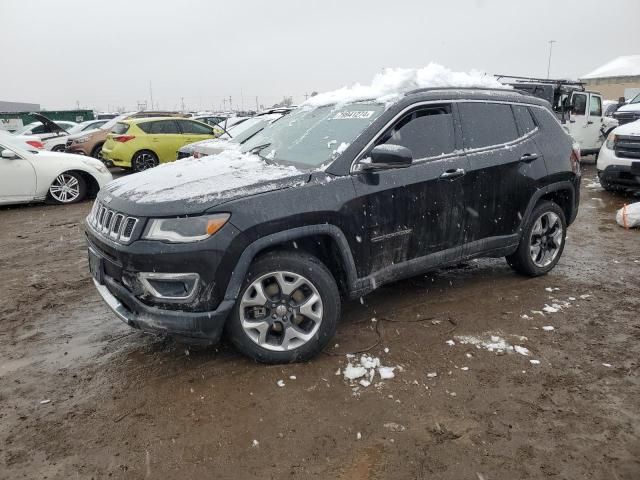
[127, 405]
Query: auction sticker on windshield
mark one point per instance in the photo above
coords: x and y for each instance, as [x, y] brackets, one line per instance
[353, 114]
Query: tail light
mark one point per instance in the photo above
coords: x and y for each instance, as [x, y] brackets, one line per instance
[36, 144]
[123, 138]
[575, 158]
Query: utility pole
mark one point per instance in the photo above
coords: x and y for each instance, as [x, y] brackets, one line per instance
[306, 96]
[151, 94]
[230, 103]
[257, 103]
[182, 102]
[241, 100]
[551, 42]
[224, 104]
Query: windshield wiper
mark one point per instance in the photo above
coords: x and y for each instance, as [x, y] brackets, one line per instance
[257, 149]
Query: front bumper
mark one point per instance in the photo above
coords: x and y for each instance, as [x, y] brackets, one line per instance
[621, 175]
[195, 327]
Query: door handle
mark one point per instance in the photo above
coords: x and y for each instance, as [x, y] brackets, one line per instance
[529, 157]
[452, 173]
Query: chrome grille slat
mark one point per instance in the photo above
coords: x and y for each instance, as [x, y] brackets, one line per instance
[112, 224]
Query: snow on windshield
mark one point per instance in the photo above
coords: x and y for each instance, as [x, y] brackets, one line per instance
[224, 176]
[392, 83]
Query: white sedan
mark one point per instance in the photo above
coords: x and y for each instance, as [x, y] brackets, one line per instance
[39, 175]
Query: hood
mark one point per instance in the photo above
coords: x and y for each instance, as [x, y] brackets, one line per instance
[48, 124]
[629, 107]
[191, 185]
[632, 129]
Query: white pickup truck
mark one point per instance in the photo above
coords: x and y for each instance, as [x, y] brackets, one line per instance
[579, 110]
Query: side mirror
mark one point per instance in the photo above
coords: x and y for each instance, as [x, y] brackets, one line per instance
[9, 154]
[384, 157]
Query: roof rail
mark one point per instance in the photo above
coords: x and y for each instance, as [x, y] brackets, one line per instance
[486, 89]
[538, 80]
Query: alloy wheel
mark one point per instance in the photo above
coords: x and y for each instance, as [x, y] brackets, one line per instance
[546, 239]
[65, 188]
[144, 161]
[281, 311]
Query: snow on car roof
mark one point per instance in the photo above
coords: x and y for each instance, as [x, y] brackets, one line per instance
[624, 66]
[392, 83]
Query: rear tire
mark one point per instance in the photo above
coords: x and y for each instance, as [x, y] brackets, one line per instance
[58, 148]
[542, 241]
[287, 310]
[144, 160]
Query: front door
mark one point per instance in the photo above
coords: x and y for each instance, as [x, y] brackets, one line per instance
[416, 211]
[166, 139]
[17, 179]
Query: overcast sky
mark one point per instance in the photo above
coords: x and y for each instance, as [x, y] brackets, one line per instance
[103, 54]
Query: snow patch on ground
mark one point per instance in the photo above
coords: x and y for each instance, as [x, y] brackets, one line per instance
[493, 343]
[362, 370]
[392, 83]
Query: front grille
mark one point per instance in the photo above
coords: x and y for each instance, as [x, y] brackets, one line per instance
[111, 224]
[627, 146]
[626, 117]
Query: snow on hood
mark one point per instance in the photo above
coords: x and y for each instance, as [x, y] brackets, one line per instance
[392, 83]
[629, 107]
[225, 176]
[632, 128]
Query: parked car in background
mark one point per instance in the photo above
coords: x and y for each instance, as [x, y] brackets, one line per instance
[262, 243]
[140, 144]
[212, 120]
[90, 143]
[630, 112]
[58, 143]
[234, 135]
[45, 128]
[28, 142]
[39, 175]
[619, 159]
[579, 110]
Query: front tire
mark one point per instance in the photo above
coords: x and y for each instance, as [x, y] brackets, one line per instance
[58, 148]
[144, 160]
[67, 188]
[542, 241]
[97, 151]
[287, 310]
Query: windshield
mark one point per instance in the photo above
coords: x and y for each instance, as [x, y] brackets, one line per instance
[312, 137]
[635, 99]
[26, 128]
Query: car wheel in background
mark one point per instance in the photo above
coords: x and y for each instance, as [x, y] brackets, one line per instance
[609, 187]
[542, 241]
[58, 148]
[68, 187]
[144, 160]
[287, 310]
[97, 151]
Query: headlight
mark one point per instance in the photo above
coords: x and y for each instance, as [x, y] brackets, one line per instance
[611, 140]
[81, 140]
[185, 229]
[97, 164]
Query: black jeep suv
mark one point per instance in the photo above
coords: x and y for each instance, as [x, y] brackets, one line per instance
[332, 202]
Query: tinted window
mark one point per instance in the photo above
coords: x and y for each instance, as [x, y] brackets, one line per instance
[120, 128]
[595, 106]
[486, 124]
[39, 129]
[163, 127]
[427, 132]
[579, 104]
[524, 119]
[194, 128]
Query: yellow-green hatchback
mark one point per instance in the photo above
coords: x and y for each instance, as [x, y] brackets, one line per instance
[143, 143]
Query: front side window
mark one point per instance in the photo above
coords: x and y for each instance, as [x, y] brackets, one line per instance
[579, 104]
[487, 124]
[194, 128]
[314, 136]
[427, 132]
[595, 106]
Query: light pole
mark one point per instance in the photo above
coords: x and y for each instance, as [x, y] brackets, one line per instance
[551, 42]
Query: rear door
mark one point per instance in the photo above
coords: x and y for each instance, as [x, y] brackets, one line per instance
[594, 137]
[504, 163]
[416, 211]
[166, 138]
[17, 179]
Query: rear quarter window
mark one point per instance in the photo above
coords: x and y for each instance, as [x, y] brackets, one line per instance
[120, 128]
[524, 119]
[487, 124]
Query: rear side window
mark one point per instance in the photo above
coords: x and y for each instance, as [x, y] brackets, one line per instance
[487, 124]
[160, 127]
[426, 132]
[524, 119]
[595, 106]
[120, 128]
[194, 128]
[579, 104]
